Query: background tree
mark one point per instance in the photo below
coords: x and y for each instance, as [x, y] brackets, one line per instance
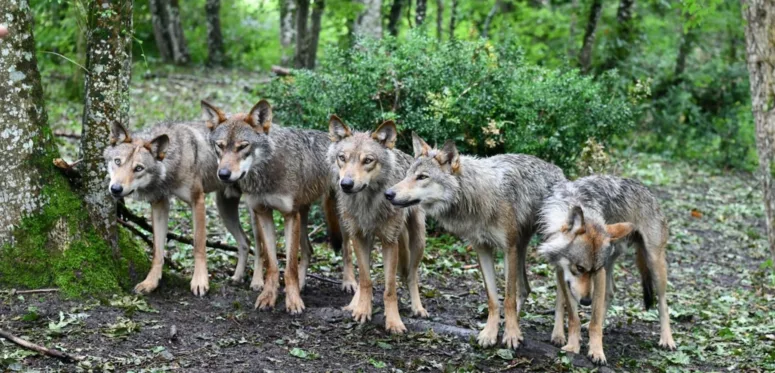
[168, 31]
[760, 54]
[585, 56]
[287, 28]
[420, 11]
[369, 22]
[394, 18]
[624, 34]
[215, 51]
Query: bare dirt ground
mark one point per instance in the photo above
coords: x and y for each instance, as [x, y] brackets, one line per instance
[721, 293]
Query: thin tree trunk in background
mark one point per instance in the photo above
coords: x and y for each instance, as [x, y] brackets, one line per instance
[215, 52]
[572, 28]
[488, 20]
[287, 28]
[159, 21]
[395, 17]
[178, 44]
[369, 22]
[684, 48]
[452, 19]
[168, 31]
[760, 55]
[314, 37]
[625, 34]
[26, 139]
[585, 56]
[439, 19]
[419, 13]
[302, 14]
[109, 61]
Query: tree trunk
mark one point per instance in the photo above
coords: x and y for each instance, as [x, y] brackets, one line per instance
[369, 22]
[215, 52]
[685, 47]
[760, 55]
[572, 28]
[395, 17]
[625, 34]
[48, 236]
[419, 13]
[452, 19]
[287, 29]
[302, 14]
[585, 56]
[439, 19]
[168, 31]
[488, 20]
[314, 33]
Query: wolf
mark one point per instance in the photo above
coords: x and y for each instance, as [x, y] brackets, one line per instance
[364, 165]
[166, 160]
[490, 202]
[279, 169]
[586, 225]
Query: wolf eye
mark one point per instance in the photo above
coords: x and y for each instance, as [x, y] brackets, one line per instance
[341, 157]
[241, 147]
[422, 177]
[139, 168]
[220, 145]
[368, 160]
[581, 269]
[117, 162]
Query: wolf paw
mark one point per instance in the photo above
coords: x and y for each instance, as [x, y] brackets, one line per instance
[236, 279]
[267, 298]
[293, 303]
[667, 343]
[257, 284]
[146, 287]
[558, 339]
[362, 312]
[512, 339]
[200, 284]
[572, 347]
[419, 312]
[395, 326]
[349, 286]
[596, 355]
[487, 337]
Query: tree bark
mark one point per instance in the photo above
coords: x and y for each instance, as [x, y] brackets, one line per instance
[369, 22]
[395, 17]
[109, 62]
[585, 56]
[302, 15]
[215, 51]
[452, 19]
[439, 19]
[488, 20]
[287, 28]
[760, 55]
[314, 33]
[625, 34]
[168, 31]
[419, 13]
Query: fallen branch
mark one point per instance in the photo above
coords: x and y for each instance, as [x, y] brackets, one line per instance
[531, 347]
[32, 291]
[281, 71]
[39, 349]
[68, 135]
[147, 239]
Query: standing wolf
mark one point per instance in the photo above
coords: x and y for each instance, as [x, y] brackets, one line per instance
[491, 202]
[278, 169]
[173, 159]
[586, 225]
[364, 165]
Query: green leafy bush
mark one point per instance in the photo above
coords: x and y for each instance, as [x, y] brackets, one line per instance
[486, 98]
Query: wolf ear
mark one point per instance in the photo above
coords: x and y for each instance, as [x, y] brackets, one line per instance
[212, 115]
[619, 230]
[449, 155]
[337, 130]
[158, 147]
[576, 220]
[119, 133]
[386, 134]
[421, 148]
[260, 116]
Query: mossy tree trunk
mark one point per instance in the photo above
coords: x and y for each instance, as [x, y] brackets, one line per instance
[760, 52]
[47, 237]
[585, 55]
[215, 53]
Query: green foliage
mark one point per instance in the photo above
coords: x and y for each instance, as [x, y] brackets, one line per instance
[486, 98]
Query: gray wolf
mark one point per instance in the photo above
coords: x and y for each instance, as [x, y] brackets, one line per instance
[173, 159]
[586, 225]
[364, 165]
[279, 169]
[492, 203]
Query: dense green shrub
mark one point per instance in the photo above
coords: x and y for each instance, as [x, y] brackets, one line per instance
[485, 98]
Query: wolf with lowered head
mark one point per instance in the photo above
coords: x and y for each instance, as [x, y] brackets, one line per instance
[586, 225]
[493, 203]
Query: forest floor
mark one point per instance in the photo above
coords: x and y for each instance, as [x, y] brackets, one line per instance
[721, 288]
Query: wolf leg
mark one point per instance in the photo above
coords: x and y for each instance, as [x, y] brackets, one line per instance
[393, 321]
[305, 246]
[512, 336]
[524, 286]
[293, 303]
[228, 209]
[160, 212]
[658, 266]
[574, 323]
[489, 335]
[416, 228]
[362, 309]
[348, 272]
[598, 313]
[200, 282]
[265, 228]
[558, 333]
[257, 281]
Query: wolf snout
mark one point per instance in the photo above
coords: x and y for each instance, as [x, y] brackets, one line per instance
[347, 184]
[116, 189]
[224, 174]
[390, 194]
[586, 301]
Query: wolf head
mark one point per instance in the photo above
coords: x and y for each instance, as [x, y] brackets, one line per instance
[580, 248]
[133, 164]
[361, 159]
[432, 180]
[240, 141]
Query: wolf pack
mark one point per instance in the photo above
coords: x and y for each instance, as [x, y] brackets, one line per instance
[370, 190]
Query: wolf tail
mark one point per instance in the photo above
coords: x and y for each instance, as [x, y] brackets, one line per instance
[332, 223]
[646, 277]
